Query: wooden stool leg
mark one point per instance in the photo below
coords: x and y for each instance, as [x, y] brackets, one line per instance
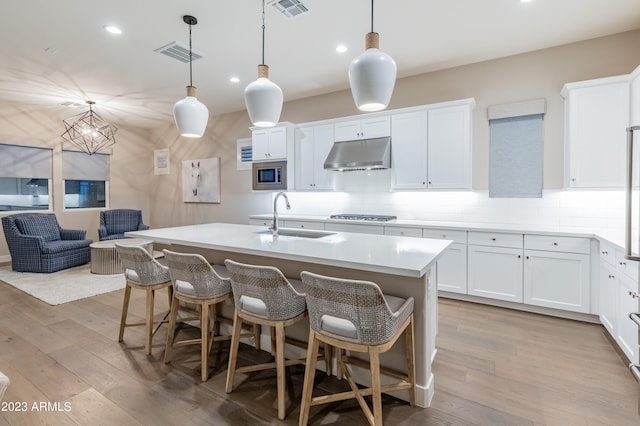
[309, 376]
[205, 330]
[280, 370]
[125, 310]
[328, 359]
[273, 340]
[256, 336]
[233, 351]
[376, 394]
[172, 329]
[149, 320]
[339, 363]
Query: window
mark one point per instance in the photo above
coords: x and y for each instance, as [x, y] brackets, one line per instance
[24, 177]
[86, 180]
[515, 152]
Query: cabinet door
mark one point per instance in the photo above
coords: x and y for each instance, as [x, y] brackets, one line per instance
[277, 143]
[305, 160]
[557, 280]
[597, 121]
[627, 336]
[495, 272]
[322, 143]
[608, 298]
[346, 130]
[375, 127]
[260, 145]
[449, 156]
[452, 269]
[409, 150]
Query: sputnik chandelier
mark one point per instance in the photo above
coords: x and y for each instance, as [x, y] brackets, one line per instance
[89, 132]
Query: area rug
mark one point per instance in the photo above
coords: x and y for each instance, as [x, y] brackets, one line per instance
[62, 286]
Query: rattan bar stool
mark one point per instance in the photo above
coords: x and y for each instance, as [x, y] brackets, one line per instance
[196, 282]
[264, 296]
[354, 315]
[143, 272]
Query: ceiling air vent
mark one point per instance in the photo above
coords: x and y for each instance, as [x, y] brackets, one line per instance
[290, 8]
[177, 51]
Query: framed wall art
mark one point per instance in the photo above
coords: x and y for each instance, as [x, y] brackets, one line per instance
[201, 180]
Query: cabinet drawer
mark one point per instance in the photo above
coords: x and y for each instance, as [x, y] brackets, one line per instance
[627, 267]
[303, 224]
[607, 252]
[445, 234]
[348, 227]
[403, 231]
[495, 239]
[553, 243]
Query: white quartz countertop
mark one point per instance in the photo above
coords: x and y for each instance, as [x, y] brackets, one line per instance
[404, 256]
[615, 236]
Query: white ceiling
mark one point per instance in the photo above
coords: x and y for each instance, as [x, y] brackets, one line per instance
[56, 52]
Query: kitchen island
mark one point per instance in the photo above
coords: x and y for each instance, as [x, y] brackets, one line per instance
[401, 266]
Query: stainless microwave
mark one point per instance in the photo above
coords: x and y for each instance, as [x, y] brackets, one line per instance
[269, 176]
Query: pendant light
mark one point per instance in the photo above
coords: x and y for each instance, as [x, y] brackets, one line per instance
[372, 75]
[89, 132]
[263, 97]
[190, 114]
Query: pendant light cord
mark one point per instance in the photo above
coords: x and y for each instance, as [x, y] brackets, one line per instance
[263, 30]
[371, 15]
[190, 56]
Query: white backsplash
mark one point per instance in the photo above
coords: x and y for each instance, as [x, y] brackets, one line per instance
[369, 193]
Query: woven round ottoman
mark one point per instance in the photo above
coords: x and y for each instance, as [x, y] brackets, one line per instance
[104, 258]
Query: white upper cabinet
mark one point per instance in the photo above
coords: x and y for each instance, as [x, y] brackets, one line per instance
[635, 98]
[432, 148]
[409, 150]
[312, 145]
[449, 157]
[597, 113]
[371, 127]
[273, 143]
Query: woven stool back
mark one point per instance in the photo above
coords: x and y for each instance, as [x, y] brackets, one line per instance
[196, 270]
[268, 284]
[147, 269]
[360, 302]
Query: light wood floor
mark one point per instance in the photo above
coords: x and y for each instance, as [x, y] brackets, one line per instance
[494, 367]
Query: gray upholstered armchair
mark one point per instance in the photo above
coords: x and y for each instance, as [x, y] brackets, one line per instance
[114, 223]
[37, 243]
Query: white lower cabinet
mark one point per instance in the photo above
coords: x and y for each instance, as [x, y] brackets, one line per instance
[618, 298]
[608, 297]
[627, 331]
[557, 280]
[557, 272]
[451, 270]
[495, 272]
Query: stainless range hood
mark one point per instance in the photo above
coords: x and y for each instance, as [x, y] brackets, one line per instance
[360, 154]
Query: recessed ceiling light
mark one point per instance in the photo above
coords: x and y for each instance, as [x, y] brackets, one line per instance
[234, 80]
[113, 29]
[341, 48]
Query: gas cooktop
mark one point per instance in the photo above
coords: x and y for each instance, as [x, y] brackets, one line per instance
[369, 217]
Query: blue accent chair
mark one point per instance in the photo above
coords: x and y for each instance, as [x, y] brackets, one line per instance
[114, 223]
[37, 243]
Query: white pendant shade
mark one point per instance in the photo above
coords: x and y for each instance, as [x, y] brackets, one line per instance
[191, 115]
[372, 76]
[263, 99]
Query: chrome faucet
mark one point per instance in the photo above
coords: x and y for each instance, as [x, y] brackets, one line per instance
[274, 227]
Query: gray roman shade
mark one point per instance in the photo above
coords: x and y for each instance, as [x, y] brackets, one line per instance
[516, 149]
[25, 162]
[80, 166]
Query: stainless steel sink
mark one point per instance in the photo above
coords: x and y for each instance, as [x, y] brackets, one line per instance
[302, 233]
